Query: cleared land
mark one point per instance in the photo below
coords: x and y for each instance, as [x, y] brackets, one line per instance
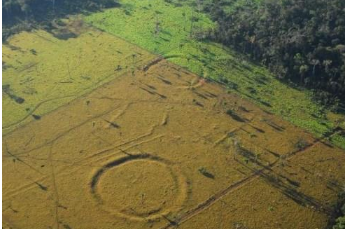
[42, 71]
[100, 133]
[155, 149]
[174, 38]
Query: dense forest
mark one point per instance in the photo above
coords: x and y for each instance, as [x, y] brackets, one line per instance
[300, 41]
[18, 15]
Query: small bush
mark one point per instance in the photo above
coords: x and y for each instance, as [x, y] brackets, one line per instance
[301, 144]
[340, 223]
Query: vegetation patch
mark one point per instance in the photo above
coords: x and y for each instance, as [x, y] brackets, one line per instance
[136, 140]
[47, 72]
[177, 33]
[138, 152]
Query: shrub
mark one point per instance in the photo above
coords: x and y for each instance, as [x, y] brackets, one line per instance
[340, 223]
[301, 144]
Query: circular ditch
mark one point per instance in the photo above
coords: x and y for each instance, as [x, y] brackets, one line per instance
[139, 187]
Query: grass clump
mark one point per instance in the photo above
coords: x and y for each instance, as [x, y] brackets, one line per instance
[301, 144]
[340, 223]
[205, 172]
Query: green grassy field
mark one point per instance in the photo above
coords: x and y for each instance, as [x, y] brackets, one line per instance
[136, 21]
[43, 72]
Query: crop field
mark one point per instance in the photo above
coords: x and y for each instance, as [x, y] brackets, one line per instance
[43, 71]
[175, 38]
[161, 147]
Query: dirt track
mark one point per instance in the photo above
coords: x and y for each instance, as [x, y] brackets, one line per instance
[155, 150]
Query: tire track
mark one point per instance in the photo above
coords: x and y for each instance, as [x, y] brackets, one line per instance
[32, 111]
[66, 132]
[19, 159]
[83, 95]
[79, 163]
[56, 194]
[257, 174]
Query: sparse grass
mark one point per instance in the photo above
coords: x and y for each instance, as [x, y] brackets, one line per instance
[338, 139]
[135, 22]
[180, 168]
[44, 72]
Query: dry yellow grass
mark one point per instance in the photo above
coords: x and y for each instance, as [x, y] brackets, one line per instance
[147, 150]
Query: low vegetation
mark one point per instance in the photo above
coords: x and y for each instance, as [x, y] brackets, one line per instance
[171, 160]
[72, 89]
[340, 210]
[176, 30]
[179, 31]
[47, 70]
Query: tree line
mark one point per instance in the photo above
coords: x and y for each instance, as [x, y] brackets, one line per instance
[302, 41]
[20, 15]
